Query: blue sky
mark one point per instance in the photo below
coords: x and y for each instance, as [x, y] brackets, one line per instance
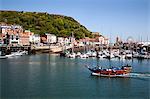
[112, 18]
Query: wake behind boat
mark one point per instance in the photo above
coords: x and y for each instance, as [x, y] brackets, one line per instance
[124, 71]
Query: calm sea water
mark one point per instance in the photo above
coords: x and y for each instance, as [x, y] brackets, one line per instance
[47, 76]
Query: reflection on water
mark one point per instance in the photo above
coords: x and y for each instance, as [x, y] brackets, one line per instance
[49, 76]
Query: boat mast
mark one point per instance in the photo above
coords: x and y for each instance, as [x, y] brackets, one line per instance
[110, 48]
[84, 44]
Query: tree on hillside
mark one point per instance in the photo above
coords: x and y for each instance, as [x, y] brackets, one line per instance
[41, 23]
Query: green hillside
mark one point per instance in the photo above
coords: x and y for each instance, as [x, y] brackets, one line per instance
[41, 23]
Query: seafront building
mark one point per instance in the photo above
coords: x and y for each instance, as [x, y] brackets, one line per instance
[35, 38]
[64, 41]
[100, 39]
[1, 39]
[24, 38]
[48, 38]
[60, 40]
[51, 38]
[10, 34]
[15, 35]
[103, 40]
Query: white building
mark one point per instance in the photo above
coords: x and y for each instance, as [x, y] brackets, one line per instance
[60, 40]
[36, 38]
[33, 38]
[67, 41]
[103, 40]
[51, 38]
[14, 39]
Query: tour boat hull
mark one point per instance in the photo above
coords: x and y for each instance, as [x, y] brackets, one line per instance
[124, 71]
[104, 75]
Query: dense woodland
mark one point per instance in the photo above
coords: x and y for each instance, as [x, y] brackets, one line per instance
[41, 23]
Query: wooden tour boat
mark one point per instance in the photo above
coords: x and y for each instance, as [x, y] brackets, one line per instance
[124, 71]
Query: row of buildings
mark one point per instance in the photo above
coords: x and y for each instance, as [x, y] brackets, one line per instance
[15, 35]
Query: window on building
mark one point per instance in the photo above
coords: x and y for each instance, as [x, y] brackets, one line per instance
[17, 37]
[12, 37]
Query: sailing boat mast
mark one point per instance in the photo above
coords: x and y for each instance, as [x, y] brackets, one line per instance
[110, 48]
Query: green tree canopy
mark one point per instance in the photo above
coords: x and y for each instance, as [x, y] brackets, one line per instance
[41, 23]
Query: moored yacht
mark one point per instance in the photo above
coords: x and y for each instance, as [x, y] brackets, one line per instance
[83, 56]
[71, 55]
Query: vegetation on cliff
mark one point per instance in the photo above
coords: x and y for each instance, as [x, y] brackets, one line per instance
[41, 23]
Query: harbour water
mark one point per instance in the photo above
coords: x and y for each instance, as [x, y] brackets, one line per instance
[47, 76]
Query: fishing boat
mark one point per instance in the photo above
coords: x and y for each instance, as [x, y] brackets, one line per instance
[124, 71]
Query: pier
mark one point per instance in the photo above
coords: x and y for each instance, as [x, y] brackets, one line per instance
[56, 49]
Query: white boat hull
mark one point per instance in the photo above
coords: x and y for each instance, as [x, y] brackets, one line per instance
[102, 75]
[3, 57]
